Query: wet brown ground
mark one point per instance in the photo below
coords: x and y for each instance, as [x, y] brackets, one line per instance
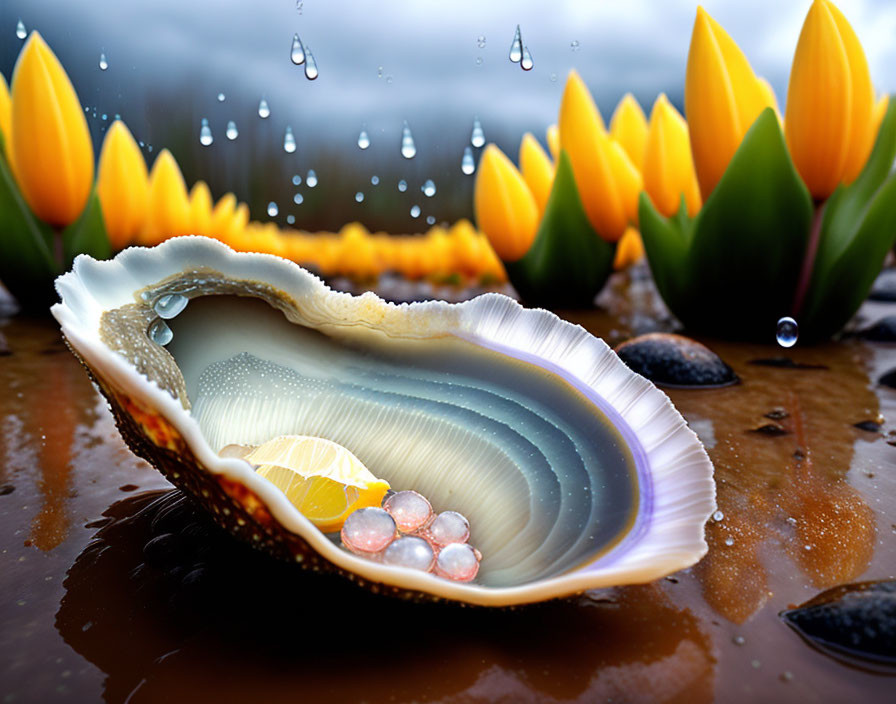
[114, 588]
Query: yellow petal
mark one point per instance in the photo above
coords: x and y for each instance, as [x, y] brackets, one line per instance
[537, 169]
[722, 99]
[169, 206]
[553, 136]
[5, 113]
[122, 185]
[630, 249]
[668, 166]
[597, 162]
[819, 103]
[222, 216]
[240, 220]
[628, 126]
[52, 151]
[200, 209]
[505, 208]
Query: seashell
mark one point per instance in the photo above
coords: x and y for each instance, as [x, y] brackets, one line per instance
[574, 472]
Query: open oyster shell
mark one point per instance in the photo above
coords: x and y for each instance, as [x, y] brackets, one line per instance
[575, 473]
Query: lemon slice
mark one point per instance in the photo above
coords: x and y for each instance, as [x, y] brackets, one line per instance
[322, 479]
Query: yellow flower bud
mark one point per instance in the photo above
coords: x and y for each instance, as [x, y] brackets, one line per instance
[505, 208]
[169, 205]
[722, 99]
[553, 137]
[51, 149]
[668, 167]
[830, 102]
[630, 249]
[122, 185]
[200, 209]
[628, 126]
[537, 169]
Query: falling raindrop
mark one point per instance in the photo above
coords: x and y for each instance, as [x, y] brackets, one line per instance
[232, 132]
[402, 185]
[408, 148]
[787, 332]
[273, 209]
[160, 333]
[289, 142]
[290, 219]
[428, 188]
[311, 71]
[553, 78]
[311, 179]
[298, 199]
[20, 30]
[103, 63]
[379, 71]
[389, 80]
[359, 197]
[574, 45]
[296, 180]
[205, 133]
[297, 52]
[479, 61]
[263, 110]
[220, 97]
[480, 41]
[527, 64]
[415, 211]
[430, 219]
[477, 137]
[170, 305]
[467, 165]
[105, 117]
[516, 47]
[375, 180]
[363, 140]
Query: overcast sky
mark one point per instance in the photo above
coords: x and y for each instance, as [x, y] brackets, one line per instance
[168, 60]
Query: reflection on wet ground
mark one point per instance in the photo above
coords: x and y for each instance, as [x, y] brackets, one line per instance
[116, 589]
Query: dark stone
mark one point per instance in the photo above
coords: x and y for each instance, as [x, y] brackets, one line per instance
[785, 363]
[771, 430]
[675, 361]
[884, 289]
[869, 425]
[128, 487]
[888, 379]
[777, 414]
[855, 623]
[6, 489]
[884, 330]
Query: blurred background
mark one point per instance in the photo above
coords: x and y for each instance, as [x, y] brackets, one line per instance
[437, 66]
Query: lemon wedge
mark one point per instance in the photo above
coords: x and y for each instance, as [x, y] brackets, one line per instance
[321, 478]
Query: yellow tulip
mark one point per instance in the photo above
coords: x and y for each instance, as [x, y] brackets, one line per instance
[122, 185]
[222, 215]
[240, 220]
[607, 180]
[668, 167]
[628, 126]
[537, 169]
[630, 249]
[5, 114]
[52, 154]
[200, 209]
[169, 205]
[505, 207]
[722, 99]
[830, 102]
[553, 136]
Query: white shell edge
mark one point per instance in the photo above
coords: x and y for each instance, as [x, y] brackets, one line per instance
[683, 492]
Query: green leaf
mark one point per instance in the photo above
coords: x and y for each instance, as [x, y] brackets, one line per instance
[27, 264]
[666, 243]
[857, 231]
[87, 235]
[568, 262]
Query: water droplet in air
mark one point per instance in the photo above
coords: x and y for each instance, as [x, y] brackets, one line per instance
[105, 116]
[311, 71]
[232, 132]
[104, 64]
[477, 136]
[409, 509]
[296, 180]
[205, 134]
[479, 61]
[290, 219]
[574, 45]
[430, 219]
[409, 551]
[220, 97]
[273, 209]
[20, 30]
[263, 110]
[408, 148]
[363, 140]
[298, 199]
[289, 142]
[480, 41]
[368, 530]
[527, 64]
[389, 80]
[170, 305]
[379, 71]
[428, 188]
[787, 332]
[415, 211]
[467, 165]
[457, 561]
[359, 197]
[160, 333]
[553, 78]
[375, 180]
[311, 179]
[402, 185]
[297, 52]
[516, 47]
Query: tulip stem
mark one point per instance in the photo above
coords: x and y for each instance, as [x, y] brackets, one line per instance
[58, 250]
[808, 261]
